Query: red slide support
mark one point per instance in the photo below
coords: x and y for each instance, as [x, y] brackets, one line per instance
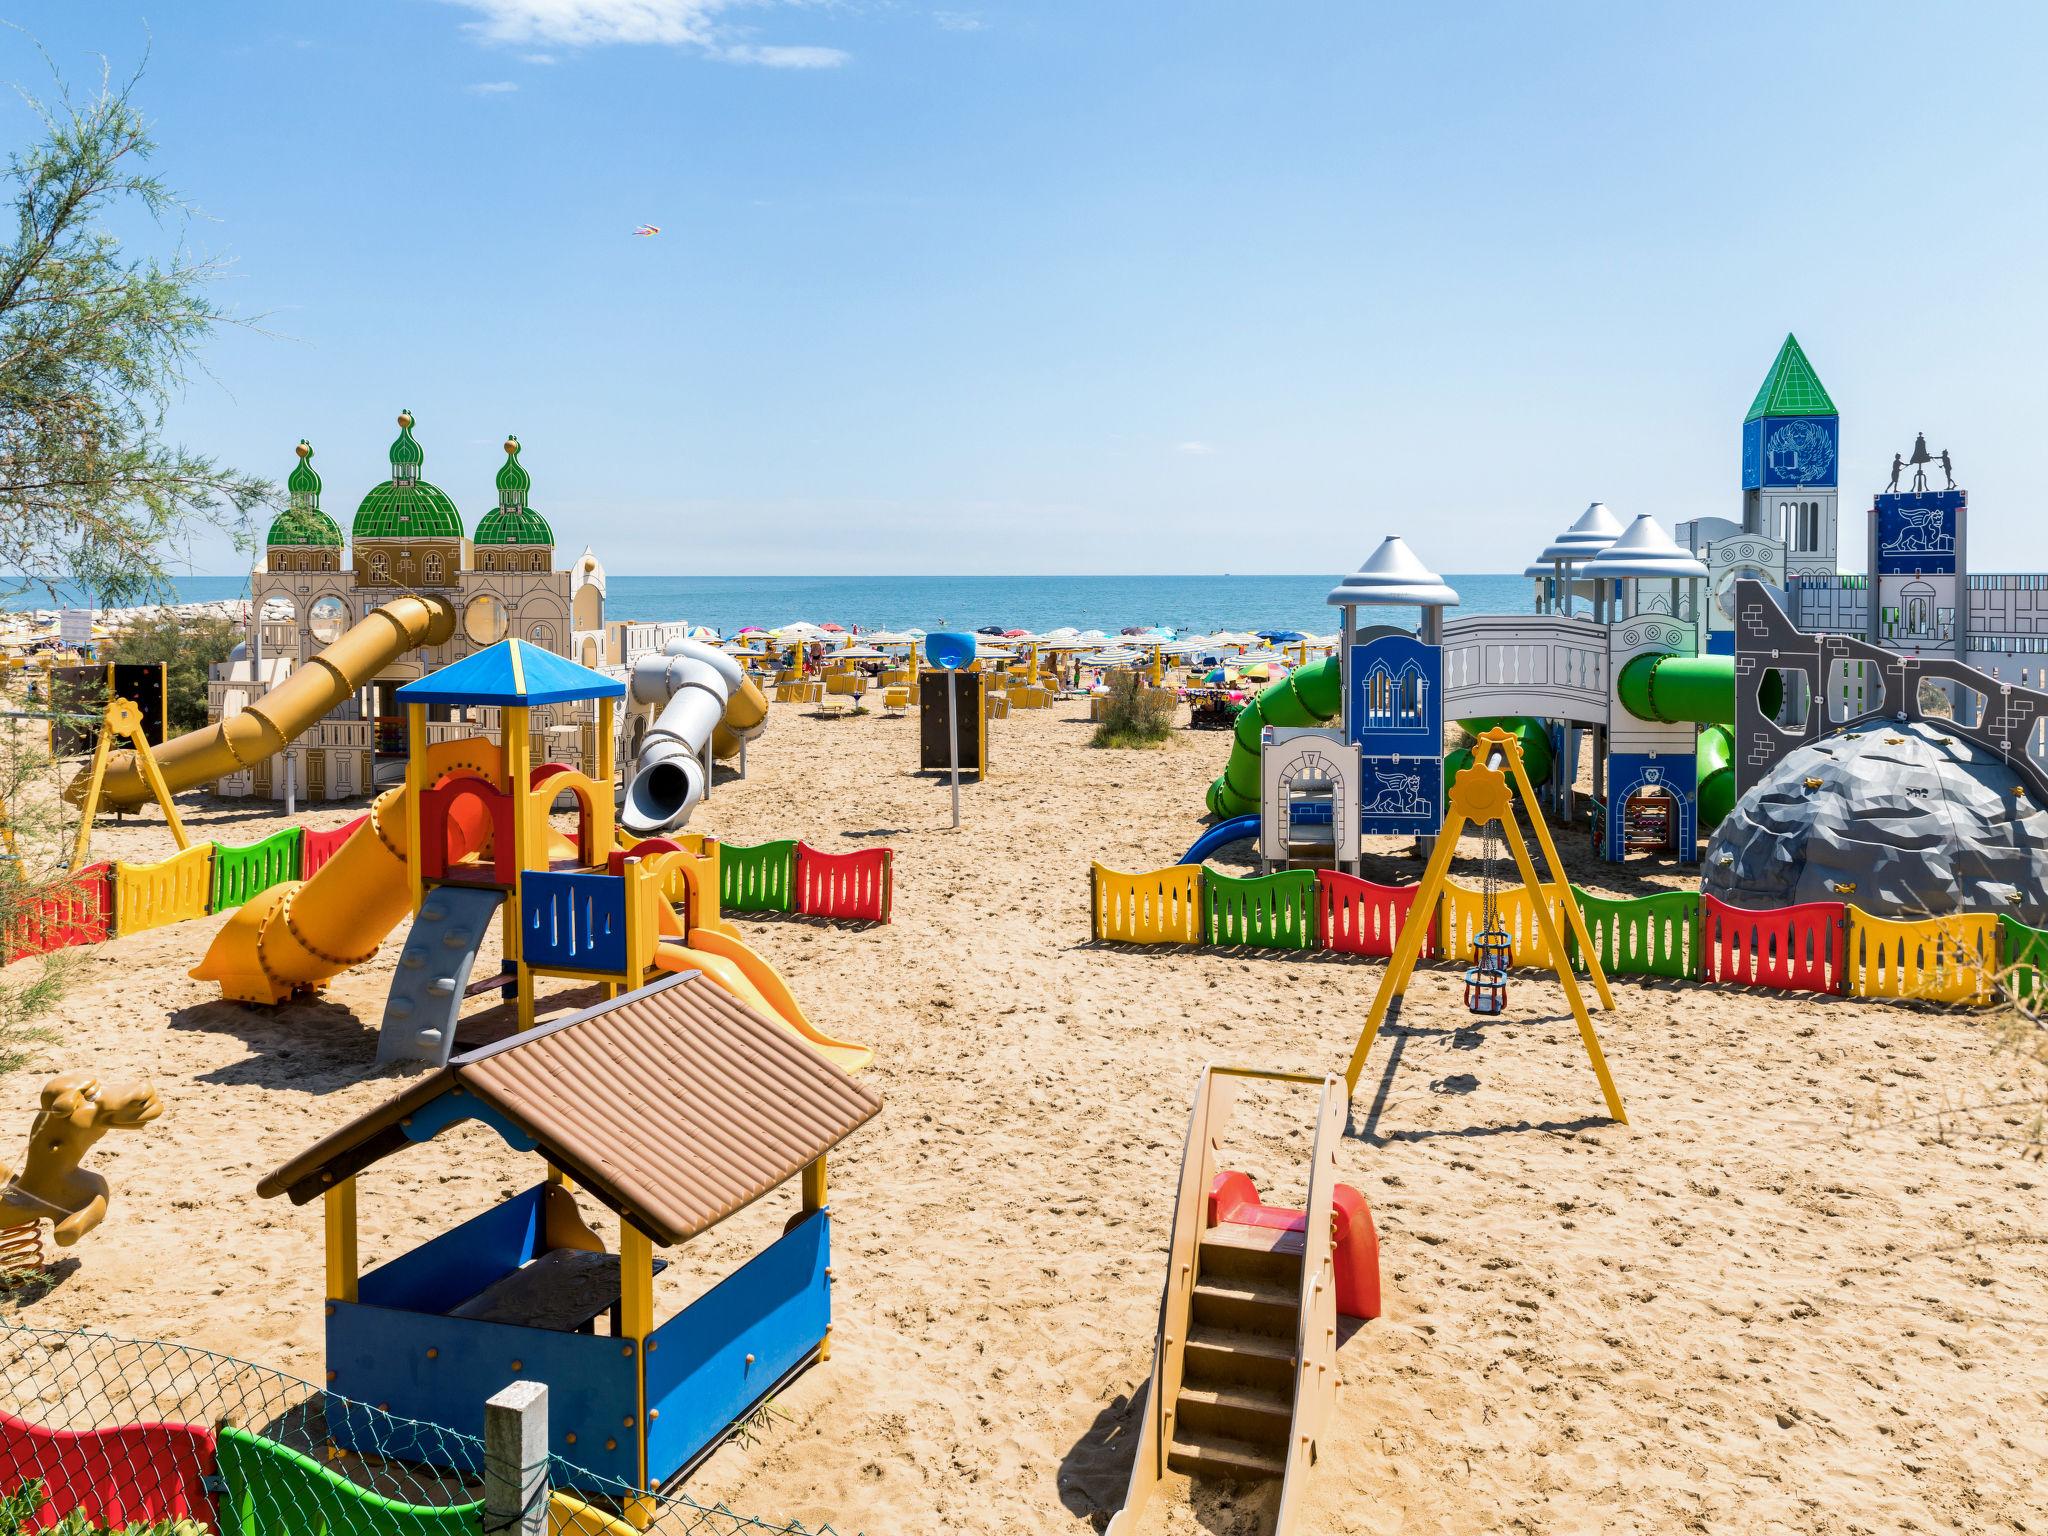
[1355, 1251]
[134, 1474]
[1799, 948]
[853, 886]
[1358, 917]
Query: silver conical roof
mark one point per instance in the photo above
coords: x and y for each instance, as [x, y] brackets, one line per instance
[1595, 529]
[1393, 578]
[1644, 550]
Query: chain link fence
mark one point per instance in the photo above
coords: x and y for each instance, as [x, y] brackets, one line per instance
[102, 1433]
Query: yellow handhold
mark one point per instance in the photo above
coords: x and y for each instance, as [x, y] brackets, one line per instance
[1813, 783]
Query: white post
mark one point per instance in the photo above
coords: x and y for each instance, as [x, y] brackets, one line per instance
[516, 1460]
[953, 737]
[710, 768]
[291, 801]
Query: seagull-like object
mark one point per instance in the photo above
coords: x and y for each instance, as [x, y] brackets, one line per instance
[648, 231]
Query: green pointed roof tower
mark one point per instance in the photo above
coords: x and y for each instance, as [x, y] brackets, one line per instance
[405, 506]
[302, 523]
[1791, 388]
[512, 521]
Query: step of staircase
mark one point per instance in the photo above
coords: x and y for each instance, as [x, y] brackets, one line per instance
[1220, 1357]
[1255, 1415]
[1248, 1304]
[1202, 1456]
[1253, 1253]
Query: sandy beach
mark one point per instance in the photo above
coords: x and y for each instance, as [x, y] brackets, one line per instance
[1802, 1292]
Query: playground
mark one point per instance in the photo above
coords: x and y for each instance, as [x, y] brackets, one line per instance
[1800, 1290]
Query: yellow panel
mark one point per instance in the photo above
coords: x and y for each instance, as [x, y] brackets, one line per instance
[1937, 959]
[1161, 907]
[1463, 915]
[150, 895]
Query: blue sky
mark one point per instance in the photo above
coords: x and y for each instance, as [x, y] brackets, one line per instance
[1097, 287]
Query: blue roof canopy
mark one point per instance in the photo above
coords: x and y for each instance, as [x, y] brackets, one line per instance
[514, 673]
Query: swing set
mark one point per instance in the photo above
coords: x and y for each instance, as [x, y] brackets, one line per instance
[121, 720]
[1484, 795]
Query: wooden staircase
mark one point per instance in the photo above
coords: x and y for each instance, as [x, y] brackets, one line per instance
[1236, 1399]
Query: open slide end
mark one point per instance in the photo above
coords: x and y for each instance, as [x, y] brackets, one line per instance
[662, 796]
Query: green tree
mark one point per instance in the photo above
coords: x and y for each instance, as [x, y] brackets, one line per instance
[188, 645]
[95, 344]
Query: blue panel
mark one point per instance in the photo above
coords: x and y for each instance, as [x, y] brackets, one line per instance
[573, 921]
[1917, 532]
[379, 1356]
[776, 1307]
[1752, 454]
[1800, 452]
[1400, 796]
[1721, 642]
[512, 672]
[1675, 772]
[448, 1270]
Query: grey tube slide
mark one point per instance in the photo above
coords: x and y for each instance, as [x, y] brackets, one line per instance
[691, 683]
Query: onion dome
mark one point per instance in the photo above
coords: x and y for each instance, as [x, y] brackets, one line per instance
[1595, 529]
[1393, 577]
[1645, 550]
[302, 523]
[405, 506]
[512, 521]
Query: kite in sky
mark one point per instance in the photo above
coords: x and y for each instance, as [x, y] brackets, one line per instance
[648, 230]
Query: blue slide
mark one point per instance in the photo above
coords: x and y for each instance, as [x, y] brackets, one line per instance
[1235, 830]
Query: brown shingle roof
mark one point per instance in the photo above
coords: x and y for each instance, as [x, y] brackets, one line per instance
[675, 1105]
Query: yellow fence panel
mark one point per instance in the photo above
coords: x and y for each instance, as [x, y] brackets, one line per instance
[1937, 959]
[1463, 914]
[150, 895]
[1161, 907]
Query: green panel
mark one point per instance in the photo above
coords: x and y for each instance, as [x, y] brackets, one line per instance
[2022, 959]
[408, 509]
[239, 873]
[1791, 388]
[274, 1491]
[757, 879]
[1649, 936]
[1276, 911]
[514, 525]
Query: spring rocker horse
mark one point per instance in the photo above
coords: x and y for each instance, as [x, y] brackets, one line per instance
[1484, 795]
[76, 1112]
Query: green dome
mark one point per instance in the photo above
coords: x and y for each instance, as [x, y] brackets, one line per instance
[511, 521]
[302, 522]
[405, 506]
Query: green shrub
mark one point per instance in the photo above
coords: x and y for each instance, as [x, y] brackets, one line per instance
[18, 1509]
[1135, 715]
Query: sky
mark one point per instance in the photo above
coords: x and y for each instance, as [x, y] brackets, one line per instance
[1088, 286]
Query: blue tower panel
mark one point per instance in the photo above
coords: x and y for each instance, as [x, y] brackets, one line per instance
[1798, 452]
[1396, 711]
[1916, 532]
[1752, 454]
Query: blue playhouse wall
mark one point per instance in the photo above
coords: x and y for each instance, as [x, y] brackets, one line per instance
[1396, 709]
[1675, 772]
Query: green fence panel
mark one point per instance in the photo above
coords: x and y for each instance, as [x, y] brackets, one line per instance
[1276, 911]
[757, 879]
[1647, 936]
[272, 1490]
[239, 873]
[2022, 960]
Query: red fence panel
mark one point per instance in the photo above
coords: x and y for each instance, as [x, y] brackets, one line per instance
[1791, 949]
[1357, 917]
[78, 911]
[135, 1474]
[855, 885]
[319, 847]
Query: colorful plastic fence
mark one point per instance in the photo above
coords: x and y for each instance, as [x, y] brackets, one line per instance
[1162, 907]
[1937, 960]
[851, 886]
[1463, 914]
[1647, 936]
[239, 873]
[1787, 949]
[316, 848]
[1359, 917]
[151, 895]
[760, 878]
[2024, 953]
[130, 1474]
[1276, 911]
[80, 911]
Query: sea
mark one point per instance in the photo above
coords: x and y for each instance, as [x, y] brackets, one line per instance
[1189, 604]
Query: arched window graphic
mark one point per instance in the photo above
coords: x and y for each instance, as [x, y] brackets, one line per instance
[430, 568]
[1396, 702]
[542, 635]
[1917, 598]
[380, 568]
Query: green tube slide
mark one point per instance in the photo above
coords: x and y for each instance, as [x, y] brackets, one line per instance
[1700, 690]
[1532, 735]
[1716, 775]
[1311, 696]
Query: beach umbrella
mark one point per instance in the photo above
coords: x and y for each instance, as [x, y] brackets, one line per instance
[835, 629]
[890, 637]
[1064, 632]
[860, 653]
[1213, 675]
[1282, 636]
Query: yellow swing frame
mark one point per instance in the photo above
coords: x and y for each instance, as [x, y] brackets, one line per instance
[1483, 793]
[123, 719]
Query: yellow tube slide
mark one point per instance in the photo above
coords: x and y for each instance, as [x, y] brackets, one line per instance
[302, 700]
[735, 967]
[301, 933]
[744, 713]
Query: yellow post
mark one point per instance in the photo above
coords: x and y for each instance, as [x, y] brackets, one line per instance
[1401, 965]
[415, 786]
[1555, 864]
[89, 807]
[339, 1208]
[607, 717]
[126, 719]
[814, 1200]
[636, 1319]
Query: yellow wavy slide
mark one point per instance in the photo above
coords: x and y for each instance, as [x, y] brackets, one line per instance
[740, 971]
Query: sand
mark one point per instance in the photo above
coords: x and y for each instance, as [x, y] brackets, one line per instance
[1802, 1291]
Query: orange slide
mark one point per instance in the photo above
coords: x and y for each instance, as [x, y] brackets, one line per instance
[735, 967]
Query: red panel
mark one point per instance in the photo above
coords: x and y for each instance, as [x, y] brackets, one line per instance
[134, 1474]
[1789, 949]
[854, 886]
[453, 818]
[82, 912]
[1357, 917]
[316, 848]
